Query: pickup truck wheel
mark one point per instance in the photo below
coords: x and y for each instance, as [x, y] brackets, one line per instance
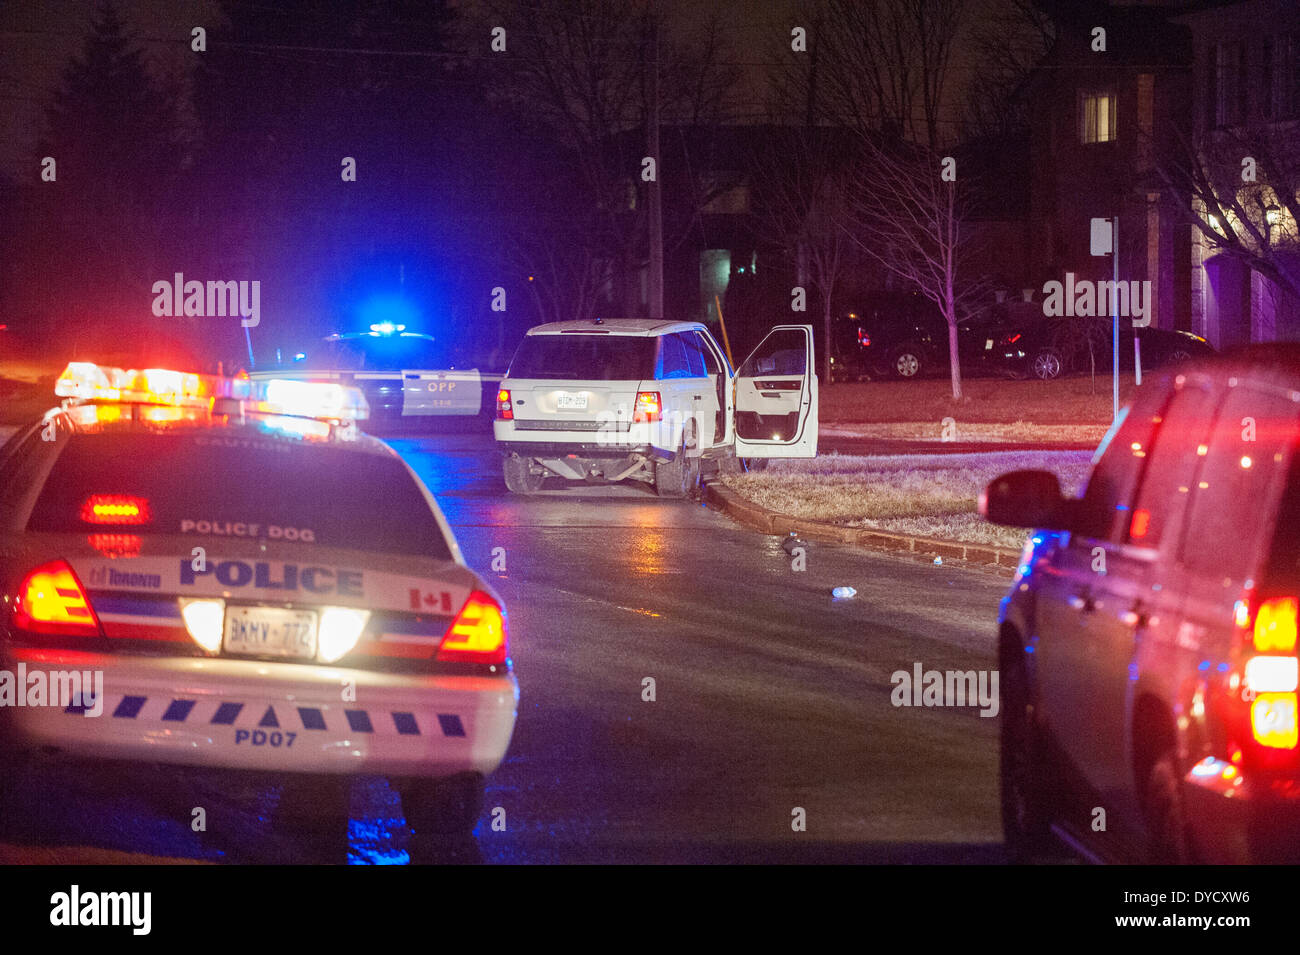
[519, 475]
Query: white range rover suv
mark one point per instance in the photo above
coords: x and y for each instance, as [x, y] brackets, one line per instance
[650, 400]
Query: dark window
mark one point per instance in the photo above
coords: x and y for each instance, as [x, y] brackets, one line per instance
[782, 353]
[1105, 505]
[1171, 469]
[691, 344]
[579, 357]
[673, 361]
[344, 498]
[1246, 452]
[711, 365]
[1229, 90]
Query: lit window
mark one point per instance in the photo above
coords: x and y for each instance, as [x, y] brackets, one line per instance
[1096, 117]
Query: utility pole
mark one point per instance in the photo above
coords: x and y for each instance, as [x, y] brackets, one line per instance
[655, 197]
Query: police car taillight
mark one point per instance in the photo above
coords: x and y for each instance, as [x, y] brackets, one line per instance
[504, 411]
[478, 634]
[52, 600]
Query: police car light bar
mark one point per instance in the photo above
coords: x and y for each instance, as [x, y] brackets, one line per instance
[86, 381]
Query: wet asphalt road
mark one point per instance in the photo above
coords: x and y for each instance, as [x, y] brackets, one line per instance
[769, 696]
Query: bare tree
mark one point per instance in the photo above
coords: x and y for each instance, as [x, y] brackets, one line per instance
[580, 69]
[1241, 188]
[1009, 39]
[800, 184]
[905, 214]
[873, 65]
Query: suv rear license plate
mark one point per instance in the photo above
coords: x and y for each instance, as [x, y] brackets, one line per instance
[270, 632]
[568, 402]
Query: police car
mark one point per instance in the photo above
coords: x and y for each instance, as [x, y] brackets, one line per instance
[407, 377]
[242, 580]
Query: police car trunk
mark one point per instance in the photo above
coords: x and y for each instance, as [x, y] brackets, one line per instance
[252, 594]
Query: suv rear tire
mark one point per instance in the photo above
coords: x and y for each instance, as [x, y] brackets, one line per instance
[679, 477]
[519, 475]
[1168, 842]
[1023, 789]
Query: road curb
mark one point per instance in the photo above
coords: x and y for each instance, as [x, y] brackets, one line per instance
[771, 522]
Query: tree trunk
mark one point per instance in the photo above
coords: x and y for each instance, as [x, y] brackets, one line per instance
[826, 328]
[953, 358]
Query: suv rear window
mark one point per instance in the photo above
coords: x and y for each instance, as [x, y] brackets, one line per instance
[592, 357]
[201, 485]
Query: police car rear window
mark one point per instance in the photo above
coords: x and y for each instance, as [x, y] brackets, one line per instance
[580, 357]
[218, 485]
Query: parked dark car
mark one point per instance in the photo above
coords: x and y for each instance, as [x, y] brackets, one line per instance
[1022, 342]
[1148, 643]
[896, 335]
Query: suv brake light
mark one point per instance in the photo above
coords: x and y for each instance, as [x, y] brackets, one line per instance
[1272, 673]
[52, 600]
[478, 634]
[504, 411]
[647, 406]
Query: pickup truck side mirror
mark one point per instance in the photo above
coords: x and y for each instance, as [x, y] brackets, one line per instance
[1026, 499]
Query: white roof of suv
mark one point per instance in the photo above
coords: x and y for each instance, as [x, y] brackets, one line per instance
[615, 326]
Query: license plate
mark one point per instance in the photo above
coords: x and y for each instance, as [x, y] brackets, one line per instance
[270, 631]
[988, 344]
[568, 402]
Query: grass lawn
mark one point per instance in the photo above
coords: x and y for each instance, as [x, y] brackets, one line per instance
[988, 404]
[931, 495]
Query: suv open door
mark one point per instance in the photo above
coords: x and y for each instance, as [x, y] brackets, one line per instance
[776, 397]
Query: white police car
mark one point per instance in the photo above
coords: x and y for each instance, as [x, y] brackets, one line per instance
[242, 580]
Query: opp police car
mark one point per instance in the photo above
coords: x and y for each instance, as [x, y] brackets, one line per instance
[406, 377]
[261, 586]
[645, 399]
